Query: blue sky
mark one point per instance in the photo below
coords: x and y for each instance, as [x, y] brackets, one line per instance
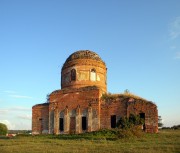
[139, 41]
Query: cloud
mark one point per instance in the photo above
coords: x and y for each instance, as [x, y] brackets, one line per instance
[20, 96]
[8, 124]
[19, 108]
[177, 56]
[26, 117]
[175, 28]
[10, 91]
[2, 101]
[4, 111]
[14, 109]
[23, 125]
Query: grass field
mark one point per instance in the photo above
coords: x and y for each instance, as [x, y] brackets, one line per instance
[165, 141]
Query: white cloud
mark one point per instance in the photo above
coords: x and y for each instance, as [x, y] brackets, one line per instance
[175, 28]
[4, 111]
[19, 108]
[9, 125]
[10, 91]
[23, 125]
[20, 96]
[14, 109]
[26, 117]
[177, 56]
[2, 101]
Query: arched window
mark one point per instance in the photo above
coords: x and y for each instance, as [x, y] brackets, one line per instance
[93, 75]
[73, 75]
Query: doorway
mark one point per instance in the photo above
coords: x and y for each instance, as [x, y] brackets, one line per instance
[142, 116]
[84, 123]
[61, 124]
[113, 121]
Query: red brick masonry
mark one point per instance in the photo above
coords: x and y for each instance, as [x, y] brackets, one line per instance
[78, 106]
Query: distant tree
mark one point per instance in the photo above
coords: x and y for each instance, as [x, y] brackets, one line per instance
[160, 124]
[47, 98]
[175, 127]
[126, 91]
[3, 129]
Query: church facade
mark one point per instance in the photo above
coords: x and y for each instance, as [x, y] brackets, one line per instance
[79, 105]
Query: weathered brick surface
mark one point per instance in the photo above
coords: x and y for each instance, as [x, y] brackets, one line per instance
[114, 107]
[151, 113]
[84, 62]
[83, 81]
[40, 118]
[76, 102]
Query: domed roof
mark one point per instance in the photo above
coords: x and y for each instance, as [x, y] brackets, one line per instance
[84, 54]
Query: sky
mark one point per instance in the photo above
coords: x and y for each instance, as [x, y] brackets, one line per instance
[138, 40]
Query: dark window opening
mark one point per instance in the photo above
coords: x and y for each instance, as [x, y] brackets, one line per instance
[93, 70]
[73, 75]
[84, 123]
[142, 116]
[113, 121]
[61, 124]
[40, 119]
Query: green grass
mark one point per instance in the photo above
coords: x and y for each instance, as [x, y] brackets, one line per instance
[165, 141]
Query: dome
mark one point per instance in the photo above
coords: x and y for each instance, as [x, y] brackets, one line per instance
[84, 54]
[83, 68]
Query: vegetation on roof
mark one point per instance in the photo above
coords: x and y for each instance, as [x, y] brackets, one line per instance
[108, 97]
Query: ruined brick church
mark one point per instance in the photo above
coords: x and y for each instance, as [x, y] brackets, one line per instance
[79, 105]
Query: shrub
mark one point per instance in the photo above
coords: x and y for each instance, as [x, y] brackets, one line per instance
[124, 133]
[3, 129]
[133, 120]
[130, 127]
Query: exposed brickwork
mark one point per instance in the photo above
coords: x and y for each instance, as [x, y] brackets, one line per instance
[78, 106]
[114, 107]
[40, 118]
[76, 101]
[84, 62]
[151, 113]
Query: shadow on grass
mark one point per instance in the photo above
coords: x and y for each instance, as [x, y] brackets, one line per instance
[105, 134]
[6, 137]
[97, 135]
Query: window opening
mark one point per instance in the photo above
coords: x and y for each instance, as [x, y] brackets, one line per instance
[84, 123]
[113, 121]
[93, 75]
[61, 124]
[142, 116]
[73, 75]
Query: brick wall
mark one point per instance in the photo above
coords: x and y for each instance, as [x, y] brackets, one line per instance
[40, 118]
[76, 103]
[150, 111]
[83, 69]
[113, 107]
[122, 106]
[83, 81]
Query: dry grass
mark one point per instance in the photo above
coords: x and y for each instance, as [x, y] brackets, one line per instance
[108, 97]
[165, 141]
